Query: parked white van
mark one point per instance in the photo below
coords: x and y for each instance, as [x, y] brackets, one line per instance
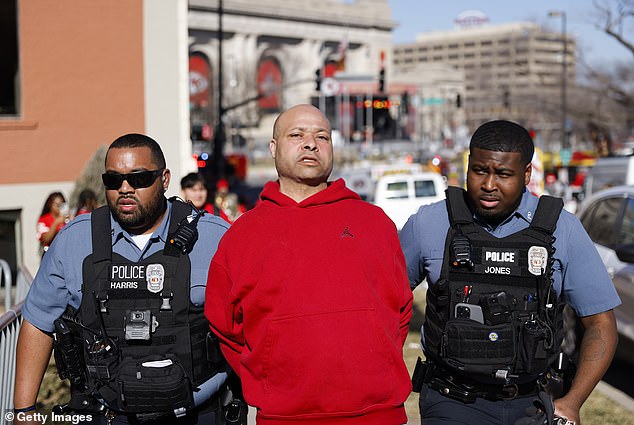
[401, 195]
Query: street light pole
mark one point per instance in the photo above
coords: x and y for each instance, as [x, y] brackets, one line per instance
[564, 75]
[219, 135]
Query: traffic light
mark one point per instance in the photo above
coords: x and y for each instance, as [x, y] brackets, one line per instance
[405, 101]
[318, 80]
[458, 101]
[201, 132]
[506, 99]
[382, 80]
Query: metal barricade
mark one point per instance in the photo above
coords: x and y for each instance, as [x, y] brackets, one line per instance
[5, 272]
[22, 285]
[10, 322]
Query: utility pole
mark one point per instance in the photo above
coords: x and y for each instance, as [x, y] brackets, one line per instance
[220, 136]
[565, 143]
[564, 75]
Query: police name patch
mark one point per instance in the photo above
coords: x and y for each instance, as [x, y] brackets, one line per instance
[126, 276]
[537, 258]
[155, 277]
[137, 276]
[499, 261]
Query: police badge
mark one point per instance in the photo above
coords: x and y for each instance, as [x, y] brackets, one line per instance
[154, 274]
[537, 257]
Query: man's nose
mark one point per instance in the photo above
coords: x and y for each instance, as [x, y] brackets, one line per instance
[126, 187]
[310, 143]
[489, 182]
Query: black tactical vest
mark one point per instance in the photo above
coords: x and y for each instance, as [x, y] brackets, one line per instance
[494, 315]
[145, 343]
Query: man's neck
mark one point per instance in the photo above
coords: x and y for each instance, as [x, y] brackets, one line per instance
[300, 191]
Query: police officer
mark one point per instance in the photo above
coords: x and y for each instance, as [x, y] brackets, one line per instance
[129, 283]
[499, 270]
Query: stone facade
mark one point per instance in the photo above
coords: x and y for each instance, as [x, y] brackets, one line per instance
[297, 37]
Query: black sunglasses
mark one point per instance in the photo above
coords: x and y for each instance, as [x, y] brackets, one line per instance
[138, 179]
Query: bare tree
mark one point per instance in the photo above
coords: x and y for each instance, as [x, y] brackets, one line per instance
[611, 19]
[90, 177]
[609, 88]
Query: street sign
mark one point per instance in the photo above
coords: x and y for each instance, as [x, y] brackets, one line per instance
[565, 155]
[329, 86]
[433, 101]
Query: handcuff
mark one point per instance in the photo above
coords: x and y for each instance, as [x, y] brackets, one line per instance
[562, 421]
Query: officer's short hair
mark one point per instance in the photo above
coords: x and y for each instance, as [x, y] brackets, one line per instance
[504, 136]
[191, 180]
[135, 140]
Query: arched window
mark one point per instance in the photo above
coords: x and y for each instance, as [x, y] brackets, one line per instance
[200, 104]
[199, 81]
[269, 79]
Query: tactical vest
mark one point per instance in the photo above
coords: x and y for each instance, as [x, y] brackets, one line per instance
[146, 346]
[494, 315]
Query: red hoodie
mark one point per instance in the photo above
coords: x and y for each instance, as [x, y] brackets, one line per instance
[311, 303]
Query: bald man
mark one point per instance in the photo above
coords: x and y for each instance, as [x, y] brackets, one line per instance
[310, 297]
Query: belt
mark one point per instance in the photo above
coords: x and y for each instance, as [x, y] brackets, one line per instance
[466, 390]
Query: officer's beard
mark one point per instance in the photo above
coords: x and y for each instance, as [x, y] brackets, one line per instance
[144, 217]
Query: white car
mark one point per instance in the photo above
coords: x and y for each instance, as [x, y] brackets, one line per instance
[401, 195]
[608, 217]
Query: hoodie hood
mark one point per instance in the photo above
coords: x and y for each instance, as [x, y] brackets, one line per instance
[336, 191]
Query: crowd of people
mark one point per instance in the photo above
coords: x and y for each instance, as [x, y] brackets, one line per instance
[170, 312]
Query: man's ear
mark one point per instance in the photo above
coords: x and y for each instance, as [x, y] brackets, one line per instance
[527, 173]
[272, 147]
[165, 178]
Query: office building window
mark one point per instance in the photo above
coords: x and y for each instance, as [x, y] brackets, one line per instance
[9, 65]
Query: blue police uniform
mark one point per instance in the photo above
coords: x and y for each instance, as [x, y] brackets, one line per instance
[58, 281]
[588, 288]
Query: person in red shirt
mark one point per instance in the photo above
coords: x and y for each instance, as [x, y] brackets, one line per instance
[86, 202]
[55, 214]
[228, 202]
[308, 293]
[195, 191]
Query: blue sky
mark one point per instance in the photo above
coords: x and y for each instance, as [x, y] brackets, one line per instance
[416, 16]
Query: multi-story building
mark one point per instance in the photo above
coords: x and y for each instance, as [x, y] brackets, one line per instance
[510, 70]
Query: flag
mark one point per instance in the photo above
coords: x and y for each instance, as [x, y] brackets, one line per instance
[341, 54]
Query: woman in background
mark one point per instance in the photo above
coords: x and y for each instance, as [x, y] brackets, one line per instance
[55, 215]
[86, 202]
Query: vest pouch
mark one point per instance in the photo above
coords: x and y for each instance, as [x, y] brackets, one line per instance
[474, 347]
[533, 355]
[436, 312]
[153, 384]
[102, 368]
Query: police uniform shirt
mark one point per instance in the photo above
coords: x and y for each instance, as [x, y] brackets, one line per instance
[59, 278]
[587, 286]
